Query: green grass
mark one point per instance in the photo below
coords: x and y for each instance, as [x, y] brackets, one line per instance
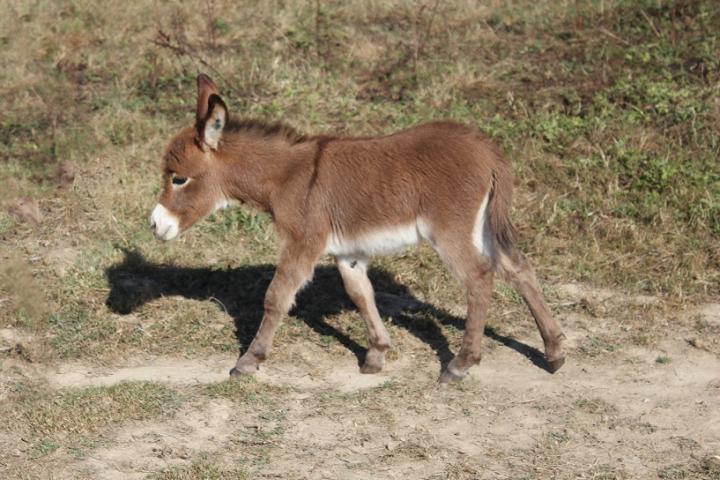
[608, 113]
[45, 447]
[87, 410]
[663, 360]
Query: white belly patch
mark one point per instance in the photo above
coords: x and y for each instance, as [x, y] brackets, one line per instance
[378, 242]
[383, 241]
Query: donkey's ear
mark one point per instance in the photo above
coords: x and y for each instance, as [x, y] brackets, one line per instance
[211, 115]
[211, 128]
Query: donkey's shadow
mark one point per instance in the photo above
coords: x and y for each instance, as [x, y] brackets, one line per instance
[241, 290]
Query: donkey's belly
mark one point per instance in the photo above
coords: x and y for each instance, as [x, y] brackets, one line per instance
[381, 241]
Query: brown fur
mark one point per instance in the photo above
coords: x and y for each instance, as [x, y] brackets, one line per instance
[322, 188]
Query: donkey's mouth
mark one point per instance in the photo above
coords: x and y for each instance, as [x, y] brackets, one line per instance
[169, 233]
[164, 224]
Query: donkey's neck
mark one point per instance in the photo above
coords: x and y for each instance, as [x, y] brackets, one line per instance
[260, 163]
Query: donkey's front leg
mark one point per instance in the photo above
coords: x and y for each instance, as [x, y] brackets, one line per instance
[294, 270]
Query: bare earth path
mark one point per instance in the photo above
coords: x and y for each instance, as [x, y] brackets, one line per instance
[635, 413]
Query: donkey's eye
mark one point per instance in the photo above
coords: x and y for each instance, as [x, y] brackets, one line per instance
[179, 180]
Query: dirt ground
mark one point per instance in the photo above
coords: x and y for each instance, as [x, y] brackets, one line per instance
[630, 413]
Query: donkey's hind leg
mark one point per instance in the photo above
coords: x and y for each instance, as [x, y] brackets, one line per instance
[476, 272]
[360, 290]
[516, 269]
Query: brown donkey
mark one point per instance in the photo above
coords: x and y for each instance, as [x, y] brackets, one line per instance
[353, 198]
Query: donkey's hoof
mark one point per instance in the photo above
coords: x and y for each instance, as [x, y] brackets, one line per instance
[243, 370]
[554, 365]
[374, 361]
[369, 368]
[447, 376]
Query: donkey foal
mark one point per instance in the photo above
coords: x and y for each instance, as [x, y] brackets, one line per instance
[353, 198]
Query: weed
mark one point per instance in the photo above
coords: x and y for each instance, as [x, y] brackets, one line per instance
[663, 360]
[45, 447]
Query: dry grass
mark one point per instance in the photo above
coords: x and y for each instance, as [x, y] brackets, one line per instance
[205, 468]
[87, 410]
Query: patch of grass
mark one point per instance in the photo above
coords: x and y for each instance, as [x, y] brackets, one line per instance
[204, 467]
[255, 228]
[244, 389]
[595, 406]
[80, 446]
[674, 472]
[88, 409]
[595, 345]
[18, 286]
[610, 123]
[45, 447]
[606, 472]
[189, 327]
[77, 331]
[663, 360]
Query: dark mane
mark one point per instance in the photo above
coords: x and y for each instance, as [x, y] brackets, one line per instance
[266, 129]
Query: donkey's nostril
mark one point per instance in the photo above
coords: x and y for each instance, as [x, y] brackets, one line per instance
[165, 225]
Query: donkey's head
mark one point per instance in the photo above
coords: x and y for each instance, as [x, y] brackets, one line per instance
[192, 183]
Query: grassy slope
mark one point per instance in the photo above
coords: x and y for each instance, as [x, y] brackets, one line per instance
[609, 111]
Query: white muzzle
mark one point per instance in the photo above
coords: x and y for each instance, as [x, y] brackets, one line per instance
[165, 225]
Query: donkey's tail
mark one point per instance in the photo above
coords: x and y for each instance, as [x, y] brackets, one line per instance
[500, 203]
